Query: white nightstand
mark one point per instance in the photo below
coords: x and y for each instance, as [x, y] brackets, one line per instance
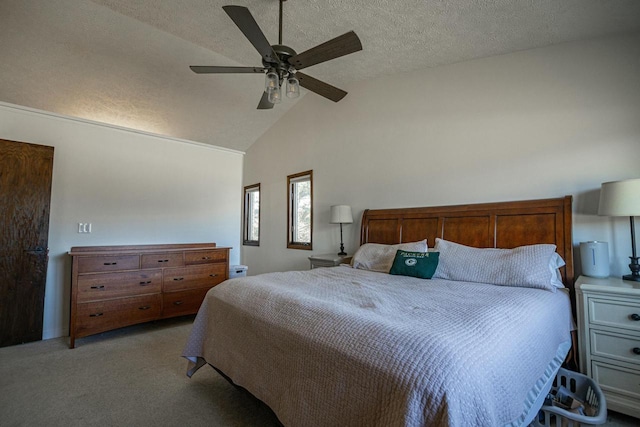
[609, 327]
[329, 260]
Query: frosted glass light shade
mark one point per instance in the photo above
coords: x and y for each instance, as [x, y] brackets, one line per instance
[341, 214]
[271, 81]
[620, 198]
[293, 87]
[275, 96]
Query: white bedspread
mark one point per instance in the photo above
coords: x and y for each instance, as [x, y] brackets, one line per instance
[345, 347]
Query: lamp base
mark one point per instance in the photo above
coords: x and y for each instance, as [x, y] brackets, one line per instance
[634, 267]
[342, 252]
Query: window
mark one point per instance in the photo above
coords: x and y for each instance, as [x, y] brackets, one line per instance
[251, 223]
[300, 210]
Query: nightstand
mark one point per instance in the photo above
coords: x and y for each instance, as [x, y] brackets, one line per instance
[609, 329]
[329, 260]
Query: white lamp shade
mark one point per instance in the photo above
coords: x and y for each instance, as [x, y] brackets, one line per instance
[620, 198]
[341, 214]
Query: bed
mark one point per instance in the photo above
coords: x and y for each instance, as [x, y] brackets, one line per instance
[347, 346]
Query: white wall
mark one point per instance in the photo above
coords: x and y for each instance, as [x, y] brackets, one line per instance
[534, 124]
[134, 188]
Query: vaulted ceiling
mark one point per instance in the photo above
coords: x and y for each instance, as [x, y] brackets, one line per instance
[125, 62]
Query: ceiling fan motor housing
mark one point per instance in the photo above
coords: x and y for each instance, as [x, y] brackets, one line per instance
[282, 66]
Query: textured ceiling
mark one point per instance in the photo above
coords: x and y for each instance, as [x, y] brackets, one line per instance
[125, 62]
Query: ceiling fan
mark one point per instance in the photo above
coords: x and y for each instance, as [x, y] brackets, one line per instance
[281, 63]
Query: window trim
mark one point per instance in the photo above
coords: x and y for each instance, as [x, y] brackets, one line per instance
[245, 215]
[291, 179]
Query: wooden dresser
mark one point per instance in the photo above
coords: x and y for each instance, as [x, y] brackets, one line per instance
[116, 286]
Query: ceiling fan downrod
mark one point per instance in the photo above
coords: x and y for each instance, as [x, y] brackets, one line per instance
[280, 23]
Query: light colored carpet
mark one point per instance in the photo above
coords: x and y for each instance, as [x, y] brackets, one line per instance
[130, 377]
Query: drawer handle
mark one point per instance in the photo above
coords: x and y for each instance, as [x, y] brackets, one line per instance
[163, 260]
[635, 316]
[212, 275]
[636, 350]
[177, 279]
[206, 257]
[96, 315]
[98, 287]
[180, 303]
[145, 283]
[110, 263]
[144, 307]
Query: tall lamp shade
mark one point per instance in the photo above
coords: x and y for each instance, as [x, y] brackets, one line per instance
[341, 214]
[622, 198]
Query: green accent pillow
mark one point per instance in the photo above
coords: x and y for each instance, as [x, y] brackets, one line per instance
[415, 264]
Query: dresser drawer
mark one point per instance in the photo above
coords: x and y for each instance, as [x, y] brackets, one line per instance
[617, 314]
[95, 317]
[617, 379]
[182, 302]
[204, 257]
[100, 286]
[196, 276]
[164, 260]
[95, 264]
[615, 346]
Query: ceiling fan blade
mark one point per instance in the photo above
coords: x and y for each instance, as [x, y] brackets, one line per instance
[206, 69]
[334, 48]
[320, 87]
[264, 103]
[249, 27]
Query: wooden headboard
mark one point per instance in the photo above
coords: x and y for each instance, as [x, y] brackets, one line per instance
[486, 225]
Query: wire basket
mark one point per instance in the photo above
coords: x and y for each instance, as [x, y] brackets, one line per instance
[572, 386]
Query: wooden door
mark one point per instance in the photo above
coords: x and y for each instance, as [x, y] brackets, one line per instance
[25, 194]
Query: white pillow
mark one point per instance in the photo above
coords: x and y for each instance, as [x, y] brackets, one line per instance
[379, 257]
[525, 266]
[555, 263]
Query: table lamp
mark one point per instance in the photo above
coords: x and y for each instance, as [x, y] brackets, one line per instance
[341, 214]
[622, 198]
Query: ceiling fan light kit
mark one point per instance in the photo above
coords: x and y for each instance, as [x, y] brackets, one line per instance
[281, 63]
